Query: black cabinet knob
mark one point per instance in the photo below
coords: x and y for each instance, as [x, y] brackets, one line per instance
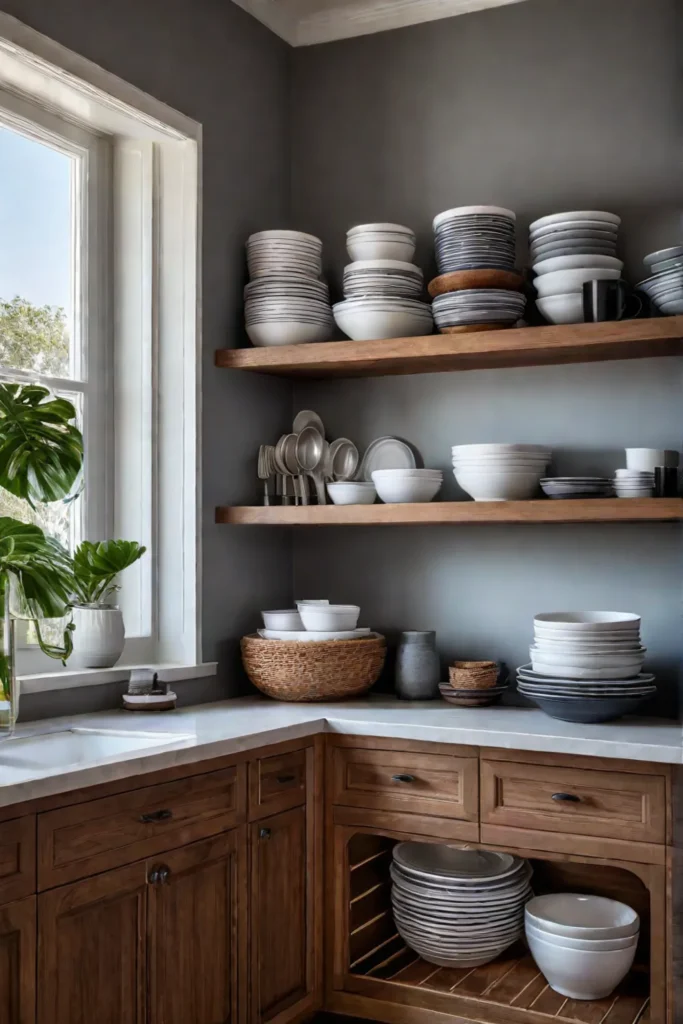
[403, 778]
[567, 798]
[282, 779]
[152, 816]
[264, 833]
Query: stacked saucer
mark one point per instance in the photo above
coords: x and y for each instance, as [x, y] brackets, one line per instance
[473, 237]
[634, 483]
[575, 233]
[665, 287]
[291, 251]
[493, 307]
[458, 908]
[382, 277]
[576, 486]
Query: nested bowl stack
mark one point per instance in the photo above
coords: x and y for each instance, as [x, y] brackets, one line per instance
[664, 287]
[305, 672]
[458, 908]
[500, 472]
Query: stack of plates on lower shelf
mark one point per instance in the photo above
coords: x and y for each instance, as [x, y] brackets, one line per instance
[472, 237]
[382, 277]
[455, 311]
[665, 287]
[285, 308]
[576, 486]
[586, 666]
[458, 908]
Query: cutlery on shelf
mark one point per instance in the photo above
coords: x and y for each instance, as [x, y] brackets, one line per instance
[310, 456]
[264, 471]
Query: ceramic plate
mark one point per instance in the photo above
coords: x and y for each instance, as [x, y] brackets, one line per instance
[448, 863]
[573, 215]
[663, 254]
[387, 453]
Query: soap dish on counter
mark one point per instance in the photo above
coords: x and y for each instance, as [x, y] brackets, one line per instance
[150, 701]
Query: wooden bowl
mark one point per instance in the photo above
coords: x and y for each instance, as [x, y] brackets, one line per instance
[474, 328]
[463, 279]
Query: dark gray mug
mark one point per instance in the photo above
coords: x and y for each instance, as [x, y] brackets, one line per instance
[609, 300]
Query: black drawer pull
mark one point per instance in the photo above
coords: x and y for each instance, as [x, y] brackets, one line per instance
[264, 833]
[567, 798]
[158, 876]
[284, 778]
[153, 816]
[403, 778]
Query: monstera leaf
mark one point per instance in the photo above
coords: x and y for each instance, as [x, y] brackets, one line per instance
[96, 566]
[41, 451]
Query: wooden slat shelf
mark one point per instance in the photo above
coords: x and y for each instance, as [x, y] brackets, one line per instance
[527, 346]
[595, 510]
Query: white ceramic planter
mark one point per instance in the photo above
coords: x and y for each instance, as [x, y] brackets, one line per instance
[98, 638]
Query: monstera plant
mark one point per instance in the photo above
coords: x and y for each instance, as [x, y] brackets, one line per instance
[41, 458]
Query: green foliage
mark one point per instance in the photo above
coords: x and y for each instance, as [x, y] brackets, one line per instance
[41, 451]
[96, 566]
[33, 337]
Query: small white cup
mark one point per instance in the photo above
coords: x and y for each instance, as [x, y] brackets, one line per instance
[647, 459]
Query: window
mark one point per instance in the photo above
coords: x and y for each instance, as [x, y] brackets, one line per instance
[99, 301]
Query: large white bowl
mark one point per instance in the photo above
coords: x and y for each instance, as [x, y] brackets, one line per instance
[351, 492]
[500, 449]
[374, 247]
[333, 617]
[585, 622]
[499, 484]
[559, 282]
[588, 660]
[283, 619]
[553, 263]
[590, 945]
[562, 309]
[580, 973]
[372, 324]
[267, 334]
[394, 487]
[582, 917]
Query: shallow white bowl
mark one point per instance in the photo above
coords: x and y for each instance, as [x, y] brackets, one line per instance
[362, 247]
[499, 484]
[549, 266]
[416, 474]
[284, 619]
[400, 489]
[329, 617]
[500, 449]
[587, 621]
[580, 973]
[351, 492]
[582, 917]
[562, 309]
[590, 945]
[267, 334]
[588, 660]
[559, 282]
[372, 324]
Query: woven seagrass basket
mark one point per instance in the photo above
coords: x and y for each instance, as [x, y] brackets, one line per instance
[330, 670]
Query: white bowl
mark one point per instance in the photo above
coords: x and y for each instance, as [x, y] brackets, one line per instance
[553, 263]
[333, 617]
[458, 450]
[559, 282]
[285, 332]
[562, 309]
[365, 247]
[589, 660]
[591, 945]
[499, 484]
[582, 917]
[588, 621]
[288, 619]
[397, 489]
[406, 473]
[581, 973]
[351, 492]
[646, 459]
[372, 324]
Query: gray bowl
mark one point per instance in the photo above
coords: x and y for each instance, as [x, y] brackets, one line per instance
[589, 710]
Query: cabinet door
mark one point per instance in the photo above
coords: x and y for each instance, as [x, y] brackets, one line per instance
[91, 950]
[281, 905]
[197, 932]
[18, 962]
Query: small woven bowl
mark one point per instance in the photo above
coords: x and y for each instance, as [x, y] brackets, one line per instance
[473, 675]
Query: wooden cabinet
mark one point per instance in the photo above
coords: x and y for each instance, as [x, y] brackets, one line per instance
[18, 962]
[278, 782]
[17, 858]
[282, 878]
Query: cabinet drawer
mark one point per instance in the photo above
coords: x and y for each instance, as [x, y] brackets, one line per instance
[579, 801]
[277, 783]
[389, 780]
[82, 840]
[17, 858]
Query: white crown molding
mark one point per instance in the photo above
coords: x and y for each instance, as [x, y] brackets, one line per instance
[308, 22]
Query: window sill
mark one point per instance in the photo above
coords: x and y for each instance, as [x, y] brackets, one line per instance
[69, 679]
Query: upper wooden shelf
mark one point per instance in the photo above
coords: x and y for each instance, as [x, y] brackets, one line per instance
[526, 346]
[595, 510]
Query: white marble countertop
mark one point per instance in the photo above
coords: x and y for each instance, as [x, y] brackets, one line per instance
[192, 734]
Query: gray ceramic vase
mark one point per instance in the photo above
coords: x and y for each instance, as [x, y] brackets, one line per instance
[418, 669]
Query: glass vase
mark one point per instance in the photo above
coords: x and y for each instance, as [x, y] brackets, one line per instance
[9, 685]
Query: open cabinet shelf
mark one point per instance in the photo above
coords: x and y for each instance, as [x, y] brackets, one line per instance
[593, 510]
[434, 353]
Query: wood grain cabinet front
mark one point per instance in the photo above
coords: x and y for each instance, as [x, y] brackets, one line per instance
[18, 962]
[278, 782]
[17, 858]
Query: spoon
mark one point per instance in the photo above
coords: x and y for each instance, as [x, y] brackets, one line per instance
[310, 456]
[292, 465]
[343, 459]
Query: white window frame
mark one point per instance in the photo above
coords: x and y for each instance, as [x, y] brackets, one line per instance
[147, 310]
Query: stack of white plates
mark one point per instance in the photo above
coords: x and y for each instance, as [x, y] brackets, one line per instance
[477, 306]
[292, 251]
[382, 277]
[458, 908]
[406, 485]
[576, 486]
[367, 319]
[380, 242]
[499, 472]
[586, 242]
[665, 287]
[634, 483]
[473, 238]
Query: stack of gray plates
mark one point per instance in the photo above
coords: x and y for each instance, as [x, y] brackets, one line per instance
[382, 277]
[576, 486]
[477, 306]
[292, 251]
[473, 238]
[458, 908]
[284, 308]
[585, 700]
[665, 287]
[574, 233]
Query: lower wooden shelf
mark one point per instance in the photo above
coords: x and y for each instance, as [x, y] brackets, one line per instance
[593, 510]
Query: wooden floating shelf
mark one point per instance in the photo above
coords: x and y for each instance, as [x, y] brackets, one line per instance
[595, 510]
[526, 346]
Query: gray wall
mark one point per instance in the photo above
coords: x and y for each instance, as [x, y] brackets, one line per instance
[540, 106]
[211, 60]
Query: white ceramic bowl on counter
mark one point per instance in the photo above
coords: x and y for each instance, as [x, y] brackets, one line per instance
[352, 492]
[329, 617]
[397, 486]
[282, 619]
